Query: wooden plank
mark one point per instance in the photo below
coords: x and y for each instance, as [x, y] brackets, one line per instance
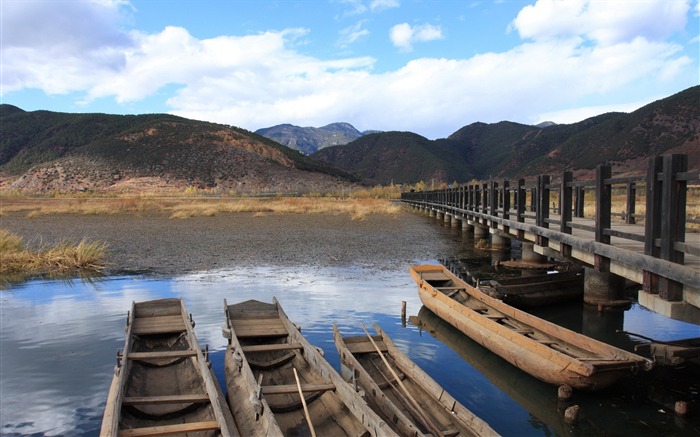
[161, 354]
[158, 325]
[272, 347]
[259, 328]
[292, 388]
[365, 347]
[170, 429]
[170, 399]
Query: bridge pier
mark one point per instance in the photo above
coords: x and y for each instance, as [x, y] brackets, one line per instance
[432, 212]
[455, 221]
[530, 256]
[499, 241]
[480, 232]
[466, 227]
[604, 289]
[448, 218]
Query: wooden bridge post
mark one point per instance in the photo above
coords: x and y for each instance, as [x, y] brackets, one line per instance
[520, 205]
[672, 221]
[493, 202]
[603, 200]
[542, 209]
[631, 203]
[565, 204]
[579, 200]
[506, 204]
[652, 221]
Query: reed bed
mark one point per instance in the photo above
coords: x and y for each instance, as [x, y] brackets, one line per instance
[182, 208]
[61, 259]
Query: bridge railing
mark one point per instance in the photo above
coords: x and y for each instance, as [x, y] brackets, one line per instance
[556, 206]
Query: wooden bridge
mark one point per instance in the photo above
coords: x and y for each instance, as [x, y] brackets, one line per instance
[659, 248]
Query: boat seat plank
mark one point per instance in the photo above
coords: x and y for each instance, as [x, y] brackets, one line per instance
[494, 316]
[161, 354]
[449, 288]
[272, 347]
[158, 325]
[293, 388]
[181, 428]
[366, 347]
[259, 328]
[173, 399]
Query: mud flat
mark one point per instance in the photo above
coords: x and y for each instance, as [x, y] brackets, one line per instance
[153, 243]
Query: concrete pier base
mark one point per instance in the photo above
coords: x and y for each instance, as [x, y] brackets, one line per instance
[432, 212]
[455, 221]
[448, 218]
[499, 241]
[466, 227]
[439, 215]
[604, 289]
[530, 256]
[480, 232]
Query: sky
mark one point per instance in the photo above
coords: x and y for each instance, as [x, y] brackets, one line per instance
[425, 66]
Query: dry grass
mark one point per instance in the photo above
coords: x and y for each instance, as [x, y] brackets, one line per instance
[181, 208]
[61, 259]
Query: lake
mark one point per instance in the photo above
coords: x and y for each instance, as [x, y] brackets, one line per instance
[58, 343]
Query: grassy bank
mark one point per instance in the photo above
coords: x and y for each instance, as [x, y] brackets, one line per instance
[63, 259]
[180, 207]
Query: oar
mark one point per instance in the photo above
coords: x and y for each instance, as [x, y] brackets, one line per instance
[426, 420]
[303, 402]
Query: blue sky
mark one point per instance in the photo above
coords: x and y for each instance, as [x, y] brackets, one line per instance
[430, 67]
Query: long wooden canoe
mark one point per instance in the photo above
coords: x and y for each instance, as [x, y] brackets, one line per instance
[536, 290]
[267, 349]
[163, 384]
[401, 392]
[544, 350]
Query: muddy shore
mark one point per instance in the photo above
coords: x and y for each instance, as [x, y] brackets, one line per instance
[152, 243]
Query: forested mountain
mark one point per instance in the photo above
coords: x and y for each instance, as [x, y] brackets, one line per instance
[44, 150]
[507, 149]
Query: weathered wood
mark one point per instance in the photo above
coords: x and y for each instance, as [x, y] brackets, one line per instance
[155, 333]
[532, 353]
[385, 397]
[170, 429]
[171, 399]
[334, 408]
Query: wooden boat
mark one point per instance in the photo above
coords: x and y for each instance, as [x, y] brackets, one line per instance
[672, 352]
[163, 384]
[537, 290]
[268, 351]
[544, 350]
[531, 394]
[401, 392]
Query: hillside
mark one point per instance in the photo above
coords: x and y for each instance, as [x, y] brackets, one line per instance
[507, 149]
[44, 151]
[310, 139]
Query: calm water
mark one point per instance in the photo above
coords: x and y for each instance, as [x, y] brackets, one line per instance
[59, 339]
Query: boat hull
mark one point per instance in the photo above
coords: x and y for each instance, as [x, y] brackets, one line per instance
[375, 364]
[265, 347]
[604, 365]
[163, 383]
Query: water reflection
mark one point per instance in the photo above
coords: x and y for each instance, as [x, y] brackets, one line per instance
[59, 339]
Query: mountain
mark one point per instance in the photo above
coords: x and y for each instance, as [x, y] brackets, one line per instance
[44, 151]
[310, 139]
[507, 150]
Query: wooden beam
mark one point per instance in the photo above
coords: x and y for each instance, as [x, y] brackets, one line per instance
[172, 399]
[160, 354]
[272, 347]
[292, 388]
[182, 428]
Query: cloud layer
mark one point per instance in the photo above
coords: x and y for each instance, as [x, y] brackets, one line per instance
[570, 53]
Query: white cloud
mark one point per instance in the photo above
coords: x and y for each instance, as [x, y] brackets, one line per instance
[61, 46]
[404, 35]
[260, 80]
[351, 34]
[380, 5]
[605, 22]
